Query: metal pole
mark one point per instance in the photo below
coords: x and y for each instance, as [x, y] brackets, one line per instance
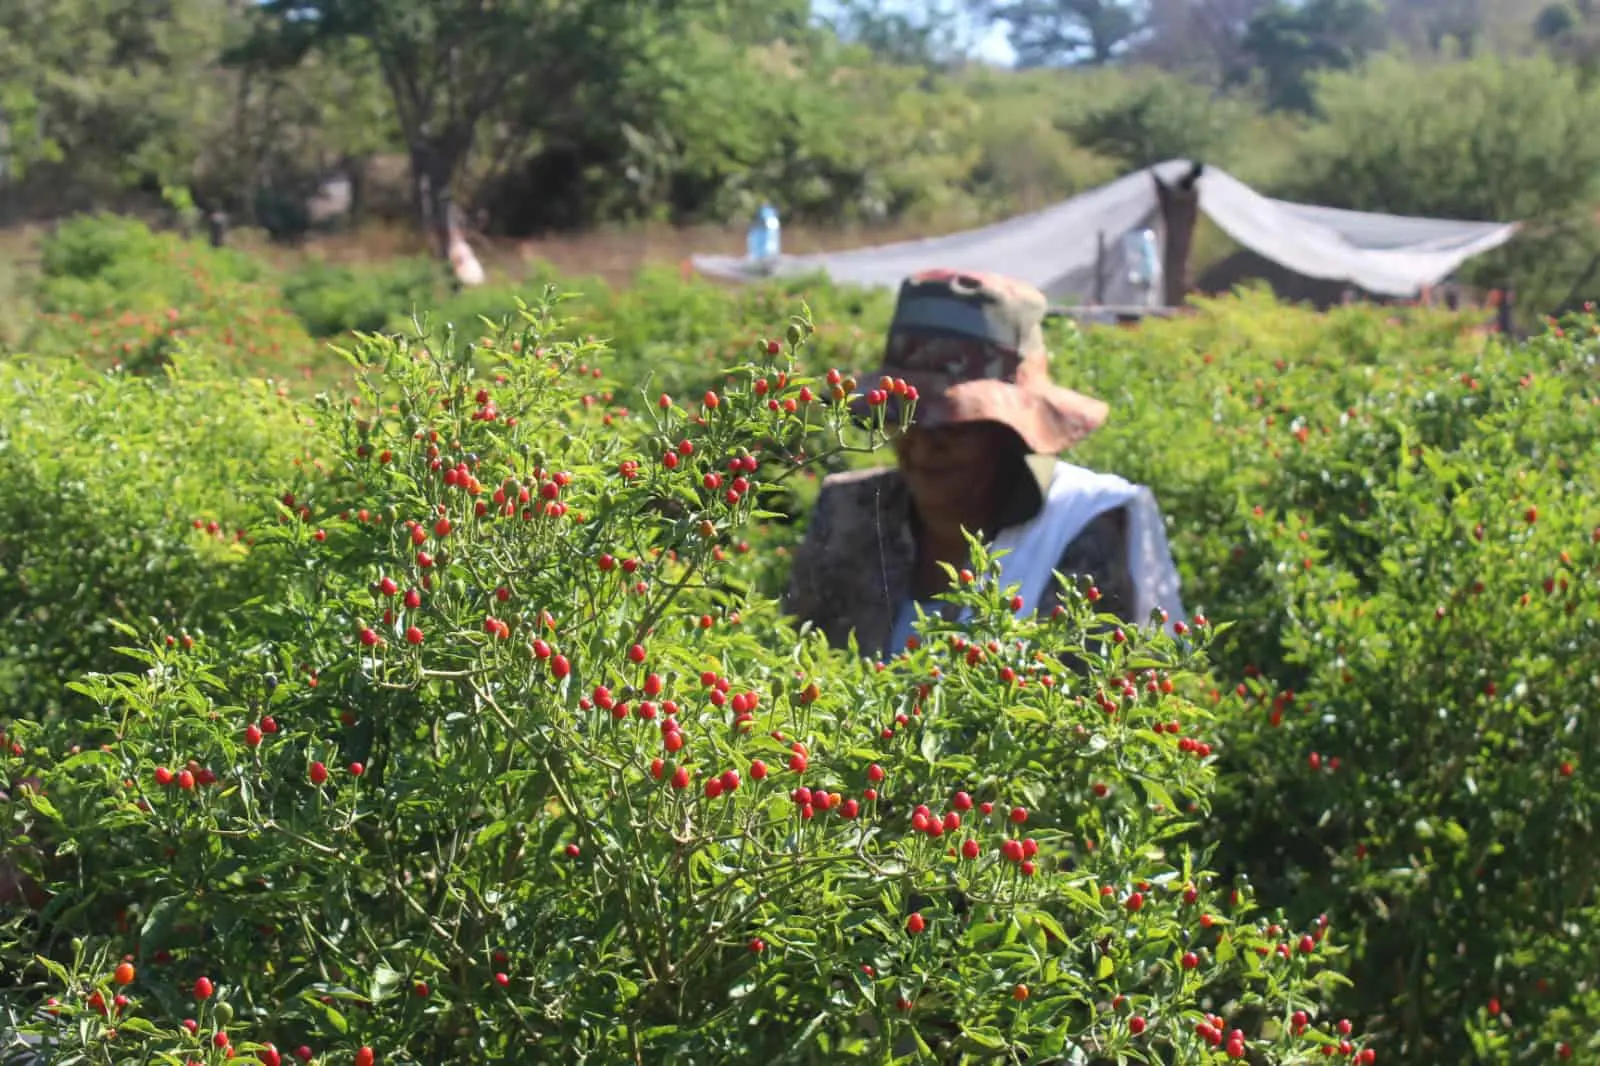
[1100, 267]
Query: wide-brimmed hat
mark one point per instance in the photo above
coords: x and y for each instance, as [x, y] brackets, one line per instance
[972, 345]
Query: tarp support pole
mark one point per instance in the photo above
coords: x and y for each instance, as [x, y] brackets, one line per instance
[1180, 212]
[1507, 317]
[217, 227]
[1099, 268]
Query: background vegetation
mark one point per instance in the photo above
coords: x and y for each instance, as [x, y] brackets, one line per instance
[1386, 751]
[534, 119]
[1375, 765]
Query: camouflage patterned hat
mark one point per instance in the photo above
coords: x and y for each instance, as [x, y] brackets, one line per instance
[973, 347]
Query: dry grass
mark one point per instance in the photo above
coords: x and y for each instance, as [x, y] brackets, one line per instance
[616, 255]
[19, 255]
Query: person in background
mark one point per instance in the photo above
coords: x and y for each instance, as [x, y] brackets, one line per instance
[17, 889]
[980, 455]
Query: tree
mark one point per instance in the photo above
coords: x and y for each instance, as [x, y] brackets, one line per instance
[1425, 25]
[447, 64]
[932, 38]
[1466, 26]
[1570, 30]
[1204, 38]
[1291, 43]
[121, 90]
[612, 142]
[293, 128]
[1052, 32]
[1556, 21]
[1489, 138]
[752, 21]
[456, 68]
[1161, 117]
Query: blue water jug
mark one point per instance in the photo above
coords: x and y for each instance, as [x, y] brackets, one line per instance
[1142, 252]
[764, 241]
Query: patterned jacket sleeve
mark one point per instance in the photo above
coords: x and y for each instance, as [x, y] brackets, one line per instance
[806, 592]
[1100, 554]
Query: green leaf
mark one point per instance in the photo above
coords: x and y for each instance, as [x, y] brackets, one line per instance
[153, 934]
[1052, 927]
[1158, 793]
[490, 832]
[986, 1037]
[41, 804]
[56, 970]
[384, 981]
[335, 1019]
[136, 1025]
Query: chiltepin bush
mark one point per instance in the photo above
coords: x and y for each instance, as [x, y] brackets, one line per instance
[124, 498]
[606, 804]
[1398, 519]
[115, 292]
[1383, 651]
[1432, 708]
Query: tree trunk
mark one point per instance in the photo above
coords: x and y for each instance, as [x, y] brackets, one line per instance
[1180, 211]
[355, 168]
[431, 173]
[430, 184]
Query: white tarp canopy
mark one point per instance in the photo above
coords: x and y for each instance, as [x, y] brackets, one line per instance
[1059, 249]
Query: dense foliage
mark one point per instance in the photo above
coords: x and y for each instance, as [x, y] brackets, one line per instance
[382, 768]
[1399, 518]
[541, 117]
[504, 763]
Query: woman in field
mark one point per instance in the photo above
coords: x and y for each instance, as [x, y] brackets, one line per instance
[980, 455]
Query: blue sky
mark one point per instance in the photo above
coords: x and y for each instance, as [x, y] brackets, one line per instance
[990, 45]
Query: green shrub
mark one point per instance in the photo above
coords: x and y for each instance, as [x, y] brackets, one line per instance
[1324, 478]
[1143, 121]
[331, 300]
[666, 332]
[111, 291]
[499, 770]
[96, 264]
[1431, 776]
[1491, 138]
[1396, 515]
[86, 247]
[105, 478]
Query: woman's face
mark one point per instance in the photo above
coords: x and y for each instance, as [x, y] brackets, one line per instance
[954, 472]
